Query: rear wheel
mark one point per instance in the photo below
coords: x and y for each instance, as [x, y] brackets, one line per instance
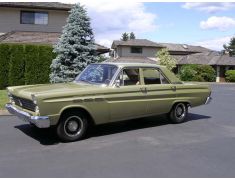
[72, 126]
[178, 113]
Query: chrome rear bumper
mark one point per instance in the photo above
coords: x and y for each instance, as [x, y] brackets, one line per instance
[208, 100]
[39, 121]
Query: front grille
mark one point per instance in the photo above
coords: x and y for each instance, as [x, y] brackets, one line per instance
[24, 103]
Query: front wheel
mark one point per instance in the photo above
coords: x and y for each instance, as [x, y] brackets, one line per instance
[178, 113]
[72, 126]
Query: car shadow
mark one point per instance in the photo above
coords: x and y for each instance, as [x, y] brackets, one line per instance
[48, 137]
[141, 123]
[44, 136]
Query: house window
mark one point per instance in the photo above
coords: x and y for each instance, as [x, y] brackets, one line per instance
[31, 17]
[137, 50]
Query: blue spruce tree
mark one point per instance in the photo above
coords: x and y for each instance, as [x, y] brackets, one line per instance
[75, 48]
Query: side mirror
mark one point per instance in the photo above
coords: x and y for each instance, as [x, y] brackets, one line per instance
[117, 83]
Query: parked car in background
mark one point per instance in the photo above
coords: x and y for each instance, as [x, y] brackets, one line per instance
[103, 93]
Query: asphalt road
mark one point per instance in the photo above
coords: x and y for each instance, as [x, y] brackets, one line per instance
[150, 147]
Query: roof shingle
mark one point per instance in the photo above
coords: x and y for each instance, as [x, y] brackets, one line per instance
[209, 58]
[38, 38]
[184, 47]
[38, 5]
[136, 42]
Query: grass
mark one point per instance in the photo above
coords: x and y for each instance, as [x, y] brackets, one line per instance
[3, 99]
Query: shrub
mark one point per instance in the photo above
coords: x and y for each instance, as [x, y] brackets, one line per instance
[165, 59]
[207, 72]
[32, 64]
[17, 65]
[194, 72]
[24, 64]
[4, 65]
[187, 72]
[37, 63]
[46, 56]
[230, 75]
[198, 78]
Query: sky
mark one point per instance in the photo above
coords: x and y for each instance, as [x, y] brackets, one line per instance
[206, 24]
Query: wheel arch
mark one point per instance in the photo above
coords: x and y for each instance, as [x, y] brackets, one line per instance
[188, 103]
[81, 109]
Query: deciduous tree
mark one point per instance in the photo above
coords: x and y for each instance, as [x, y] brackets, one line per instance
[165, 59]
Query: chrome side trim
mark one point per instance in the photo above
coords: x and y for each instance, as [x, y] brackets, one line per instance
[208, 100]
[39, 121]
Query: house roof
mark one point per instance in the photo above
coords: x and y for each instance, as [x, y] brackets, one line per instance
[226, 59]
[209, 58]
[38, 38]
[37, 5]
[184, 47]
[30, 37]
[172, 47]
[136, 42]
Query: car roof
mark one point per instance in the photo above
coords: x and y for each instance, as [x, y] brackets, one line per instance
[121, 64]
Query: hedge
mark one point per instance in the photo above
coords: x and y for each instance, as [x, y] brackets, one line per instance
[4, 65]
[24, 64]
[47, 55]
[32, 66]
[230, 75]
[195, 72]
[17, 65]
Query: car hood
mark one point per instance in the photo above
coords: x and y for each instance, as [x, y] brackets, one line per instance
[43, 89]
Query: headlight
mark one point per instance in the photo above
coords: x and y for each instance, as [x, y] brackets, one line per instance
[34, 99]
[10, 97]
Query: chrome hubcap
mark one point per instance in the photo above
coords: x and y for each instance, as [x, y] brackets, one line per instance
[73, 126]
[180, 111]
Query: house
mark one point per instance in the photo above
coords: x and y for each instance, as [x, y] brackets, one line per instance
[143, 50]
[34, 22]
[135, 48]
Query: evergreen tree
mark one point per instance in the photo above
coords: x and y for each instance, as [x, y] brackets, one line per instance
[75, 49]
[231, 47]
[165, 59]
[125, 37]
[132, 35]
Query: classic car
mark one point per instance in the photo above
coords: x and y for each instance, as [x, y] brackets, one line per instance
[106, 92]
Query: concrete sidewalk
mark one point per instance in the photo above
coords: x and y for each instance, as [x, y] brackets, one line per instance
[4, 112]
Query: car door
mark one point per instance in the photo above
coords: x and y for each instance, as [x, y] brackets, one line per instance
[159, 92]
[127, 100]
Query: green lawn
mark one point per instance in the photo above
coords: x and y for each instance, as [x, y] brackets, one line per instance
[3, 98]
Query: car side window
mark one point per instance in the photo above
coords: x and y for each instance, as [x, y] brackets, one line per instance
[129, 76]
[153, 76]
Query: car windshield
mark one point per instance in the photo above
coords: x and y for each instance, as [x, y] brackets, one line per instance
[97, 74]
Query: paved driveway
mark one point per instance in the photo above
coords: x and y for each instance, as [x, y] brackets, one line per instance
[150, 147]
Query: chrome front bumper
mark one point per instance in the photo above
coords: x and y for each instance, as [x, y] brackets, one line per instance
[208, 100]
[39, 121]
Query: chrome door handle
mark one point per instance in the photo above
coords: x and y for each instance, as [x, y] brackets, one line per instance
[173, 88]
[143, 90]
